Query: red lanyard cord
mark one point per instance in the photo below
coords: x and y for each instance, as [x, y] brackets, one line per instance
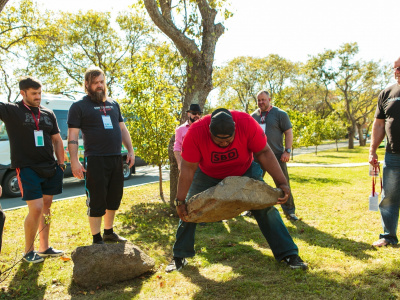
[262, 120]
[33, 115]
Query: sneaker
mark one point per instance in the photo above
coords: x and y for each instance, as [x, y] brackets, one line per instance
[113, 237]
[99, 243]
[33, 257]
[246, 214]
[51, 252]
[177, 264]
[291, 217]
[295, 262]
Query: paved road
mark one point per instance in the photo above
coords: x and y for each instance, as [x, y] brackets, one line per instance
[74, 187]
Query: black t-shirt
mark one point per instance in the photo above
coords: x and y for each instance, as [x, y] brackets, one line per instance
[20, 127]
[388, 108]
[87, 115]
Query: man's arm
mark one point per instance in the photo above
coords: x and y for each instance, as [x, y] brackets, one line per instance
[76, 167]
[288, 144]
[269, 163]
[185, 180]
[126, 141]
[58, 147]
[378, 134]
[178, 158]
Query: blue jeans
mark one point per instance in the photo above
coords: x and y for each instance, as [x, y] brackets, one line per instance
[268, 219]
[390, 203]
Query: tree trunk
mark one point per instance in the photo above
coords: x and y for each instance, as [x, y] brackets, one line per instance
[160, 183]
[2, 4]
[173, 173]
[351, 137]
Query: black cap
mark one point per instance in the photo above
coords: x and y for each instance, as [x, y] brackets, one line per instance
[222, 123]
[195, 108]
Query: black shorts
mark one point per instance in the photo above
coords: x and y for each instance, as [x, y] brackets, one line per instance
[104, 184]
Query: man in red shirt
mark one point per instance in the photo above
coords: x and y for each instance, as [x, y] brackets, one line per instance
[220, 145]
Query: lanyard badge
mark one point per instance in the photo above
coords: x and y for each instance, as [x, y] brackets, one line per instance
[38, 134]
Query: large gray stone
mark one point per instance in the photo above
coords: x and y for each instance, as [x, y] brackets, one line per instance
[109, 263]
[229, 198]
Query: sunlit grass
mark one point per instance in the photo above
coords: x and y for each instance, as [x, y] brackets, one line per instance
[233, 260]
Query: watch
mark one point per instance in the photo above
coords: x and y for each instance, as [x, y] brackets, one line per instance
[63, 166]
[178, 203]
[288, 150]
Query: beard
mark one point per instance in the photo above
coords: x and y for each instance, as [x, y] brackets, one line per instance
[193, 119]
[97, 96]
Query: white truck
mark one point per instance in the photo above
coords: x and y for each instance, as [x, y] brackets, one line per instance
[60, 105]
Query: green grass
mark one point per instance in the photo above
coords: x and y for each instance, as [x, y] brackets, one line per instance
[344, 155]
[233, 260]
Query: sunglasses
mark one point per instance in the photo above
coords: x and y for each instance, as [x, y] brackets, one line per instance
[195, 113]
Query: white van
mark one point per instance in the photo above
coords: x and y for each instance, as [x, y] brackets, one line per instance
[60, 106]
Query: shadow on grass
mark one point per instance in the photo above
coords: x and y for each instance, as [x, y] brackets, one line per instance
[316, 237]
[307, 179]
[24, 284]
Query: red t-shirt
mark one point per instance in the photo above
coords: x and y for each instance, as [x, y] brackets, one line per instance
[233, 160]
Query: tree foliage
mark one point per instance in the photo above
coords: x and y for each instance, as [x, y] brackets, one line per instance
[151, 107]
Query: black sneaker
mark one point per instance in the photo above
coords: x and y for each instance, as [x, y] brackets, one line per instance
[33, 257]
[177, 264]
[51, 252]
[295, 262]
[113, 237]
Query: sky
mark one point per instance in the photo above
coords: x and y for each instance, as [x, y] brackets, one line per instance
[292, 29]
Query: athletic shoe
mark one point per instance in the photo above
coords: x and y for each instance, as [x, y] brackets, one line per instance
[113, 237]
[381, 243]
[33, 257]
[51, 252]
[291, 217]
[176, 264]
[295, 262]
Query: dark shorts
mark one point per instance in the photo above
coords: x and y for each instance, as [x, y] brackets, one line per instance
[34, 187]
[104, 184]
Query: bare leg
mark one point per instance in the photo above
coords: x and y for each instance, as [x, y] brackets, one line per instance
[31, 224]
[95, 224]
[109, 219]
[44, 228]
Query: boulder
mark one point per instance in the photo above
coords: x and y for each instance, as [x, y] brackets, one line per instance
[231, 197]
[108, 263]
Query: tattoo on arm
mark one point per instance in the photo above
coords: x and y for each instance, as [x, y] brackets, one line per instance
[73, 142]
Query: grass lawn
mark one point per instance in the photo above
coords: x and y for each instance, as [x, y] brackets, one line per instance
[233, 259]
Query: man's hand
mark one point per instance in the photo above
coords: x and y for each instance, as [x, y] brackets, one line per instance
[373, 159]
[285, 157]
[182, 212]
[77, 169]
[130, 159]
[286, 190]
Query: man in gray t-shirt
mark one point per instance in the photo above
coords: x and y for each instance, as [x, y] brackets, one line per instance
[276, 124]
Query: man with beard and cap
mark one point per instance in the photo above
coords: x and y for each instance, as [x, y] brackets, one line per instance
[193, 114]
[276, 123]
[103, 132]
[217, 146]
[387, 121]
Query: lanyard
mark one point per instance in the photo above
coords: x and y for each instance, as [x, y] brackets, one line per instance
[33, 115]
[262, 120]
[104, 109]
[374, 180]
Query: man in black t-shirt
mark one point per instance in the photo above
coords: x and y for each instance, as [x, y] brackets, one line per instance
[33, 131]
[103, 132]
[387, 120]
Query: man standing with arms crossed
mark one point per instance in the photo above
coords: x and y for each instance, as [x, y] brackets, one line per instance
[276, 123]
[193, 114]
[103, 132]
[387, 120]
[33, 131]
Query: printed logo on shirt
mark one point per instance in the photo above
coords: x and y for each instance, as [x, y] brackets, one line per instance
[220, 157]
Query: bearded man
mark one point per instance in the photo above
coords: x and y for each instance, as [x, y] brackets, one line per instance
[103, 132]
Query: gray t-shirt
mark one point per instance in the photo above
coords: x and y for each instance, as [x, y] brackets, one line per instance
[277, 122]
